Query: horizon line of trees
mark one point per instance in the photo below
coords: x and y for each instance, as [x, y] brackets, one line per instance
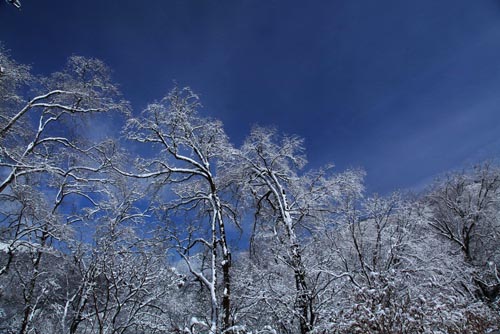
[143, 233]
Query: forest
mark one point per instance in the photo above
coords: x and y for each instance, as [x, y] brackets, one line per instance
[166, 226]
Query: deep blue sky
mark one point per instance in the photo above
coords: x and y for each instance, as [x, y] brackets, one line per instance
[405, 89]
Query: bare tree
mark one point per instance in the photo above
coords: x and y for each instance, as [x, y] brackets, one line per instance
[44, 160]
[33, 137]
[464, 210]
[393, 275]
[190, 147]
[129, 280]
[293, 206]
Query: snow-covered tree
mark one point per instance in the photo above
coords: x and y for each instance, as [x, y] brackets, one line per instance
[47, 161]
[396, 276]
[463, 209]
[189, 152]
[291, 205]
[97, 238]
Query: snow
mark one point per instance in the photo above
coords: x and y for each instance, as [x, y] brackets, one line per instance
[23, 247]
[196, 321]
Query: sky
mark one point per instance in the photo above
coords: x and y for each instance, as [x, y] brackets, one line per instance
[406, 90]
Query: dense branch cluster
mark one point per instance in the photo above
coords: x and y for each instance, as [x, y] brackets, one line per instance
[194, 235]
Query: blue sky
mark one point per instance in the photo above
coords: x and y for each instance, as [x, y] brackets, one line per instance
[406, 90]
